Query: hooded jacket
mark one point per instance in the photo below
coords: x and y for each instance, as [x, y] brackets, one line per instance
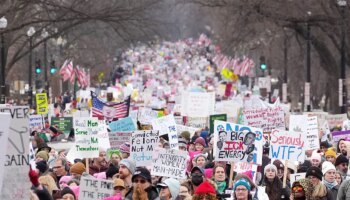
[307, 186]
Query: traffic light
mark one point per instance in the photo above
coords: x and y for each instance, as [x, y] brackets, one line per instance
[263, 65]
[37, 67]
[53, 68]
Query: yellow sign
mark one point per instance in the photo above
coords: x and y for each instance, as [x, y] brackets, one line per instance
[42, 106]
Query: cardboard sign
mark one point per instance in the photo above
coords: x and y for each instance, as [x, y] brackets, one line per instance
[170, 163]
[86, 137]
[312, 141]
[265, 118]
[167, 125]
[212, 118]
[237, 143]
[287, 145]
[147, 115]
[92, 188]
[181, 129]
[118, 138]
[65, 124]
[42, 106]
[17, 155]
[295, 177]
[5, 118]
[336, 120]
[125, 124]
[35, 123]
[142, 146]
[197, 104]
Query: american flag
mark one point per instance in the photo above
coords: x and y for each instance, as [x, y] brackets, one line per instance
[122, 108]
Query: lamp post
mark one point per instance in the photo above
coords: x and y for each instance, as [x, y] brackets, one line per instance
[3, 25]
[44, 34]
[342, 79]
[30, 33]
[308, 67]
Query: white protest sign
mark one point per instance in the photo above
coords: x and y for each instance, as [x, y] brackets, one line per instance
[167, 125]
[142, 146]
[179, 120]
[197, 104]
[295, 177]
[237, 143]
[197, 122]
[325, 131]
[102, 134]
[170, 163]
[86, 137]
[5, 119]
[181, 129]
[116, 139]
[312, 141]
[335, 120]
[92, 188]
[242, 167]
[17, 154]
[147, 115]
[81, 113]
[265, 82]
[346, 125]
[36, 122]
[265, 118]
[231, 108]
[287, 145]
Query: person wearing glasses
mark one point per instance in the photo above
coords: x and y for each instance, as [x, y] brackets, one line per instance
[273, 185]
[242, 190]
[302, 190]
[314, 174]
[142, 187]
[341, 164]
[169, 189]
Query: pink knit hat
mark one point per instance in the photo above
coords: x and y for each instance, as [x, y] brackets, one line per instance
[201, 141]
[125, 148]
[249, 174]
[65, 180]
[101, 175]
[208, 173]
[76, 190]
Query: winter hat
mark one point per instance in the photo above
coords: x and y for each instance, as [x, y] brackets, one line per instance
[200, 155]
[198, 168]
[330, 153]
[303, 167]
[67, 190]
[173, 185]
[270, 166]
[292, 167]
[42, 146]
[242, 182]
[43, 154]
[201, 141]
[118, 183]
[341, 159]
[278, 164]
[41, 166]
[205, 188]
[65, 179]
[142, 172]
[193, 139]
[125, 148]
[208, 172]
[314, 171]
[182, 142]
[249, 174]
[130, 164]
[76, 190]
[315, 156]
[326, 166]
[77, 168]
[111, 171]
[100, 175]
[186, 135]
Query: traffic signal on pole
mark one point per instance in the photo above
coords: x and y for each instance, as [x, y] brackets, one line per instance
[37, 67]
[263, 65]
[53, 68]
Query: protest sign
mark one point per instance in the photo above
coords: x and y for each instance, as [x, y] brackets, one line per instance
[237, 143]
[125, 124]
[86, 137]
[181, 129]
[5, 118]
[147, 115]
[65, 124]
[337, 135]
[242, 167]
[346, 125]
[197, 104]
[265, 82]
[212, 118]
[265, 118]
[118, 138]
[142, 146]
[287, 145]
[42, 106]
[167, 125]
[197, 122]
[92, 188]
[179, 120]
[102, 134]
[325, 132]
[81, 113]
[336, 120]
[295, 177]
[170, 163]
[298, 123]
[312, 141]
[231, 108]
[35, 123]
[17, 155]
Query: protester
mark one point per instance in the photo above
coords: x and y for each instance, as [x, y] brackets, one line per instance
[125, 149]
[184, 193]
[338, 178]
[67, 193]
[60, 168]
[242, 190]
[219, 177]
[197, 177]
[200, 160]
[257, 192]
[49, 183]
[341, 164]
[204, 191]
[142, 186]
[316, 159]
[319, 189]
[341, 147]
[273, 185]
[126, 171]
[169, 189]
[77, 170]
[330, 155]
[302, 190]
[329, 180]
[280, 168]
[200, 144]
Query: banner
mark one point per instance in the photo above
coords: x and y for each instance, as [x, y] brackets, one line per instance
[35, 123]
[118, 138]
[17, 155]
[167, 125]
[142, 146]
[265, 118]
[237, 143]
[5, 118]
[42, 106]
[86, 137]
[170, 163]
[287, 145]
[336, 120]
[197, 104]
[212, 118]
[65, 124]
[125, 124]
[312, 138]
[92, 188]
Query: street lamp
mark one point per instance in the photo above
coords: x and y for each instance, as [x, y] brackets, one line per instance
[308, 66]
[45, 34]
[342, 82]
[3, 25]
[30, 33]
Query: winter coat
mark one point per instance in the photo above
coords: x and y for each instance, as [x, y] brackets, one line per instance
[343, 191]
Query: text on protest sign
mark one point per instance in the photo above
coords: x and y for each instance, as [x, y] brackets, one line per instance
[265, 118]
[42, 106]
[116, 139]
[125, 124]
[287, 145]
[312, 141]
[167, 125]
[86, 137]
[212, 118]
[295, 177]
[237, 143]
[36, 122]
[197, 104]
[65, 124]
[102, 134]
[92, 188]
[4, 134]
[197, 122]
[242, 167]
[16, 180]
[146, 115]
[170, 163]
[142, 146]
